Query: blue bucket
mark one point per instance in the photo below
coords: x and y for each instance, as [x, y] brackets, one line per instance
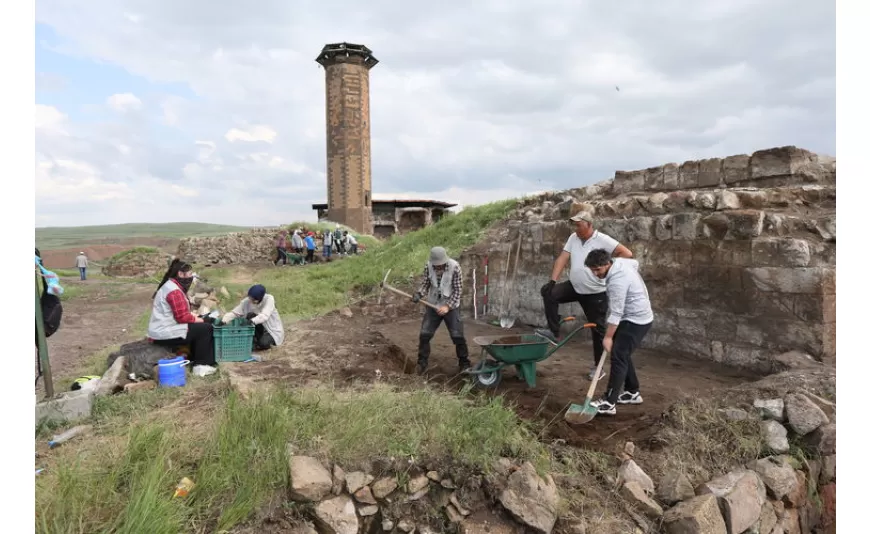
[170, 373]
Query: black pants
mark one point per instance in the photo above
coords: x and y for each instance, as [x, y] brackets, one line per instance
[282, 255]
[431, 322]
[200, 337]
[309, 257]
[297, 250]
[594, 307]
[262, 338]
[626, 340]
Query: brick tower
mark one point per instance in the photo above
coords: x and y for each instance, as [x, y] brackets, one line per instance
[348, 135]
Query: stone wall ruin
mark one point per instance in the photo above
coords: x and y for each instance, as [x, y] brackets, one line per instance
[738, 253]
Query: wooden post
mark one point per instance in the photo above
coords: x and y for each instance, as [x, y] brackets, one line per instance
[43, 347]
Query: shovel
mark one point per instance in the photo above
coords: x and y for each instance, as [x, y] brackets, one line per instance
[578, 415]
[507, 318]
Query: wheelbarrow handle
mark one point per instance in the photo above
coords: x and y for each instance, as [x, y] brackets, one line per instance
[572, 318]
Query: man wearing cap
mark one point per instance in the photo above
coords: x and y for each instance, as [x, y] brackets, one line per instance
[442, 286]
[582, 286]
[259, 308]
[82, 264]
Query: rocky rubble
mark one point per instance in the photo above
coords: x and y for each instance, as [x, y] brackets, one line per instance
[137, 263]
[781, 493]
[394, 501]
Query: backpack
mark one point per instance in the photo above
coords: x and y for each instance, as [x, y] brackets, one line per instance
[52, 312]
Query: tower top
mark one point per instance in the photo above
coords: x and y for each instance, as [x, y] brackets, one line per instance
[346, 53]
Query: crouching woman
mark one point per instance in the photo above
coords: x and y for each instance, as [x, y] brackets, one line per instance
[259, 308]
[172, 324]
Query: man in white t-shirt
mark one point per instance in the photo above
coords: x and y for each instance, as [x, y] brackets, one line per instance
[582, 286]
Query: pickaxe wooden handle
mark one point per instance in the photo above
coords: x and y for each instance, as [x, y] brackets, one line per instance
[399, 292]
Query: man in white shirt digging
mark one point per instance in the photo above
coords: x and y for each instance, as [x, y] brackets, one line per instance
[628, 322]
[582, 286]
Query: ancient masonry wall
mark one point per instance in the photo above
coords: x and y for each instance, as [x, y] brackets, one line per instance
[738, 253]
[231, 249]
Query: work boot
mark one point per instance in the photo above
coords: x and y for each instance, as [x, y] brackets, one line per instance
[422, 365]
[464, 364]
[552, 338]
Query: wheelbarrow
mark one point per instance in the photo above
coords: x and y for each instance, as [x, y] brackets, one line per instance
[523, 351]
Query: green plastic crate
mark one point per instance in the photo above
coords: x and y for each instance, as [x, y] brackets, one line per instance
[233, 342]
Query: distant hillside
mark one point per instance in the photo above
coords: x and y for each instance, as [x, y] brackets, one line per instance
[50, 238]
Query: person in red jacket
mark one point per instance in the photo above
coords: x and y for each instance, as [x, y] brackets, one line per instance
[172, 323]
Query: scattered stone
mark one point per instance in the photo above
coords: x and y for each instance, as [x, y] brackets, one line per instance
[448, 484]
[484, 522]
[823, 440]
[503, 466]
[459, 508]
[337, 516]
[356, 480]
[113, 379]
[776, 436]
[346, 312]
[770, 409]
[366, 511]
[453, 514]
[629, 471]
[309, 480]
[797, 497]
[828, 495]
[793, 360]
[364, 496]
[406, 525]
[698, 515]
[417, 495]
[734, 414]
[632, 492]
[768, 518]
[67, 407]
[387, 525]
[144, 385]
[531, 499]
[741, 496]
[337, 480]
[789, 522]
[829, 469]
[803, 415]
[777, 473]
[629, 448]
[433, 476]
[384, 486]
[673, 488]
[417, 484]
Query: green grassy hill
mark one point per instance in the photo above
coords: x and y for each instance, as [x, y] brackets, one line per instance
[62, 237]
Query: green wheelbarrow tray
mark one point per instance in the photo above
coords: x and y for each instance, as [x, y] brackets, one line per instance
[523, 351]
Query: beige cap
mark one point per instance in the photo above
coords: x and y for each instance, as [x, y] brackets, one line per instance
[582, 216]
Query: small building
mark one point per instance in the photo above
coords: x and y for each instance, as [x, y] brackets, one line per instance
[398, 216]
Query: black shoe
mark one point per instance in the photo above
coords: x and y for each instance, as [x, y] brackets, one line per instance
[548, 335]
[421, 367]
[463, 365]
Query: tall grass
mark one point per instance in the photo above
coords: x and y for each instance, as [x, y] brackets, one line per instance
[307, 291]
[239, 460]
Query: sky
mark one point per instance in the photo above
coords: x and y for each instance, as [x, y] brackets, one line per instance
[214, 111]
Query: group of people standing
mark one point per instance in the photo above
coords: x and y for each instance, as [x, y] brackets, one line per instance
[304, 245]
[603, 278]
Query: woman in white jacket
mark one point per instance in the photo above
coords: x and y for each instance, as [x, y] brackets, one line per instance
[259, 308]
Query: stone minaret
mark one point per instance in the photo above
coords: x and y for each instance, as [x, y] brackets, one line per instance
[348, 134]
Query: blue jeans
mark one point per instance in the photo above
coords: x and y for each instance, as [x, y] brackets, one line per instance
[327, 251]
[82, 272]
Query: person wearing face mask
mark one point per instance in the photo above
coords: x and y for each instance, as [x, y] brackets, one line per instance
[172, 324]
[259, 308]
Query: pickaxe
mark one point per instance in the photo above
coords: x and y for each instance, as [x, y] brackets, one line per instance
[385, 285]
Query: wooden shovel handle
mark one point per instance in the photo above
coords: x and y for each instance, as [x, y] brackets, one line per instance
[595, 378]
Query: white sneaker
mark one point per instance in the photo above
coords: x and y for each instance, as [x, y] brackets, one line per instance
[203, 370]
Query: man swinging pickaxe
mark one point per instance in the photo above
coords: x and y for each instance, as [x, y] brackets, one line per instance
[385, 285]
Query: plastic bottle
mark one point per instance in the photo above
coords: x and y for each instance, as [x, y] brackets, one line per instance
[68, 435]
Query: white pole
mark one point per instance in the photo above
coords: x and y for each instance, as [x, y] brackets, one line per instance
[474, 290]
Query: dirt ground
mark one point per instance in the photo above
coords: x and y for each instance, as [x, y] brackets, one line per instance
[374, 342]
[64, 258]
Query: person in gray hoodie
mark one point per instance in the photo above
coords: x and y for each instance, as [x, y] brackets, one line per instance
[629, 319]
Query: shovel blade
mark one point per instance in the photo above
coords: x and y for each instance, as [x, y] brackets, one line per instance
[506, 322]
[578, 415]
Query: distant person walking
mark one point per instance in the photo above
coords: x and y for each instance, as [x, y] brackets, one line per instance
[351, 240]
[82, 264]
[311, 246]
[281, 245]
[297, 241]
[327, 244]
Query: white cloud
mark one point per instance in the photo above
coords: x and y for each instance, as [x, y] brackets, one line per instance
[251, 134]
[472, 101]
[123, 102]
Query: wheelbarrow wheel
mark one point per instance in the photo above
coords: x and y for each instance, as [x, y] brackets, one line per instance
[490, 379]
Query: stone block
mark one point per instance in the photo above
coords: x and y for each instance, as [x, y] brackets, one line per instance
[690, 323]
[746, 356]
[702, 200]
[806, 280]
[716, 278]
[715, 226]
[780, 252]
[710, 172]
[70, 406]
[689, 175]
[663, 227]
[728, 200]
[629, 181]
[721, 327]
[677, 201]
[780, 334]
[615, 228]
[652, 178]
[735, 169]
[665, 297]
[780, 161]
[670, 177]
[697, 515]
[686, 226]
[744, 224]
[640, 229]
